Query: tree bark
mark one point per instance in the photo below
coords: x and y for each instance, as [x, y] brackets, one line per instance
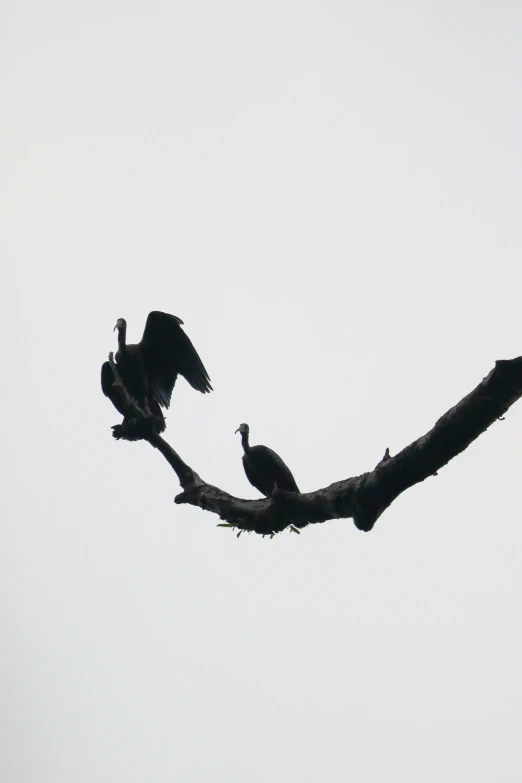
[363, 498]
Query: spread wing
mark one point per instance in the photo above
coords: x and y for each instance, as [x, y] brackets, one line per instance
[108, 388]
[167, 352]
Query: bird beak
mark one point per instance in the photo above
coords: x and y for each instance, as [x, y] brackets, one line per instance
[115, 328]
[178, 319]
[235, 433]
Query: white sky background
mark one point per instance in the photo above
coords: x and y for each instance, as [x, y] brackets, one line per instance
[329, 195]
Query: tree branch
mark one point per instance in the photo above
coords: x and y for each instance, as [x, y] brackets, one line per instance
[363, 498]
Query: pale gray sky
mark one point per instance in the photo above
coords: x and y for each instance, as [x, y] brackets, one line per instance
[329, 195]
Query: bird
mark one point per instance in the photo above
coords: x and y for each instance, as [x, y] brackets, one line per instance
[265, 469]
[149, 369]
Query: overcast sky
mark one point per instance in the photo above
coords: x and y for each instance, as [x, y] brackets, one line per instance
[329, 195]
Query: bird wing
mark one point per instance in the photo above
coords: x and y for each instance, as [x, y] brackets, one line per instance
[256, 479]
[109, 389]
[167, 352]
[274, 471]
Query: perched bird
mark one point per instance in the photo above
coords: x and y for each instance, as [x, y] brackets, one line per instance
[265, 469]
[149, 369]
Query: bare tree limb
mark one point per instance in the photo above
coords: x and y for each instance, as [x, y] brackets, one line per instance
[364, 497]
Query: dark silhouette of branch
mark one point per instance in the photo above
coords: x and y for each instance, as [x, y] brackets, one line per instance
[364, 497]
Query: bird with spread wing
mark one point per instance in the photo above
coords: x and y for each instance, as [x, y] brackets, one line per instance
[149, 369]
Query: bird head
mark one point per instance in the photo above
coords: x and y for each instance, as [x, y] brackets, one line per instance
[243, 429]
[121, 323]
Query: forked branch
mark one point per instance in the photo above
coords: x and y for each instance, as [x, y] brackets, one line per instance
[363, 498]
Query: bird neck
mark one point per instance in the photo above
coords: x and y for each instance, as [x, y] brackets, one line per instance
[244, 442]
[121, 338]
